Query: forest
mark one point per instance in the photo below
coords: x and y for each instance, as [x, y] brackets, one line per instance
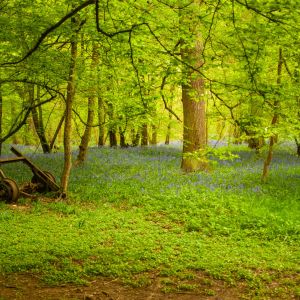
[149, 149]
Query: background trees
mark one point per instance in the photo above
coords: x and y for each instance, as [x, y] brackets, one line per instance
[137, 61]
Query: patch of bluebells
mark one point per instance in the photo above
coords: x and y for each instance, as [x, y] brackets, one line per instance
[156, 169]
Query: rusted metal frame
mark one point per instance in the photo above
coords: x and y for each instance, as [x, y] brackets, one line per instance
[36, 171]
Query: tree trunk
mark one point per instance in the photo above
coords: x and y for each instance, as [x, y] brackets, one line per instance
[1, 118]
[123, 143]
[101, 120]
[168, 133]
[154, 135]
[135, 137]
[37, 116]
[144, 135]
[113, 142]
[83, 147]
[193, 102]
[194, 112]
[15, 139]
[112, 132]
[68, 119]
[273, 137]
[298, 146]
[57, 130]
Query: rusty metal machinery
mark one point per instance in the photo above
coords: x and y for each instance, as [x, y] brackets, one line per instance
[42, 181]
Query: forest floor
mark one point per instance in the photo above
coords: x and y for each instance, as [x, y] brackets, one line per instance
[28, 286]
[135, 227]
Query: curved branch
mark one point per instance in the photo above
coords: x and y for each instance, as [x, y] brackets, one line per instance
[49, 30]
[259, 12]
[15, 128]
[164, 100]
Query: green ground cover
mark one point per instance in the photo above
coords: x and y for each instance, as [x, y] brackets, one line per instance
[132, 213]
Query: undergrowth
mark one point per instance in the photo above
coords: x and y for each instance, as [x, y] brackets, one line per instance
[132, 213]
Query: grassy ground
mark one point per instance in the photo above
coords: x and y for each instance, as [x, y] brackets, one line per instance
[133, 215]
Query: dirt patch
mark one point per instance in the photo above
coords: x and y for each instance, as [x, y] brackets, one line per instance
[28, 286]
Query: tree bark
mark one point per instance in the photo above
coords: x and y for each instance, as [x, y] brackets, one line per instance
[193, 101]
[112, 131]
[123, 143]
[37, 116]
[144, 134]
[194, 109]
[298, 146]
[154, 135]
[83, 147]
[68, 119]
[57, 130]
[168, 133]
[101, 120]
[135, 137]
[1, 118]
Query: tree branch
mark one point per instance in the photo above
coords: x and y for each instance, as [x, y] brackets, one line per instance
[49, 30]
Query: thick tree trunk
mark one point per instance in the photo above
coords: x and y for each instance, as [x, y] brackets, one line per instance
[83, 147]
[194, 113]
[194, 133]
[193, 102]
[68, 119]
[101, 120]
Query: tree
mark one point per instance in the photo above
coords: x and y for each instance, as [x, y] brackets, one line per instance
[69, 105]
[193, 89]
[91, 107]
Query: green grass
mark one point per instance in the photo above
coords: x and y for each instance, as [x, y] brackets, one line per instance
[133, 213]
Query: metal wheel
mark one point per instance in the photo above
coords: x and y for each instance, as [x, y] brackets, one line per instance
[41, 186]
[9, 190]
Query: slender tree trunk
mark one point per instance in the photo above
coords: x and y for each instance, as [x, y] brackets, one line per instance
[123, 143]
[298, 146]
[83, 147]
[112, 132]
[57, 130]
[154, 135]
[168, 133]
[29, 125]
[144, 134]
[1, 119]
[37, 116]
[68, 119]
[113, 142]
[135, 137]
[273, 137]
[15, 139]
[101, 120]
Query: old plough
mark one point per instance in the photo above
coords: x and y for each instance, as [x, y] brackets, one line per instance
[41, 181]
